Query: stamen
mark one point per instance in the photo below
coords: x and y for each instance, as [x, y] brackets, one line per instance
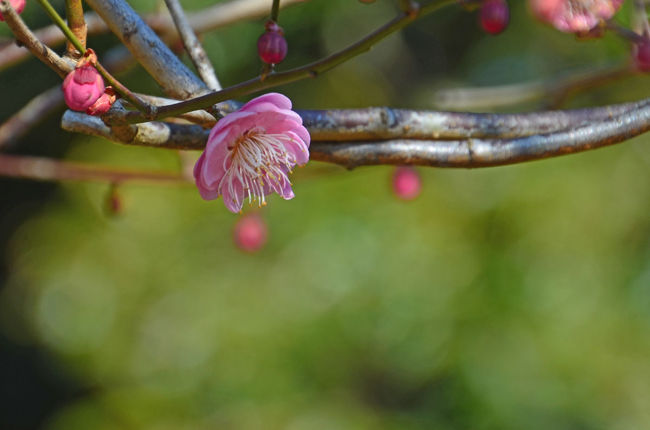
[257, 156]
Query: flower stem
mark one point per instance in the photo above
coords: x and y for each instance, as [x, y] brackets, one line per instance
[75, 14]
[275, 10]
[54, 15]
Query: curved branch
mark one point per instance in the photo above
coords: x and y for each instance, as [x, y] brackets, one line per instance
[470, 152]
[387, 123]
[379, 123]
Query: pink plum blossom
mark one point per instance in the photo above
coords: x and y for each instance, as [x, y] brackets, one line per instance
[574, 16]
[18, 5]
[250, 153]
[82, 87]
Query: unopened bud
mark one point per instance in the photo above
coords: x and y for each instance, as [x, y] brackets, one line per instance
[494, 16]
[250, 233]
[82, 87]
[642, 54]
[113, 203]
[272, 46]
[406, 183]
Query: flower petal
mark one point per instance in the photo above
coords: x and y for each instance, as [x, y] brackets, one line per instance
[297, 147]
[232, 191]
[214, 165]
[278, 100]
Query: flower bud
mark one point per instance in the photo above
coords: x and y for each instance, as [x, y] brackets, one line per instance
[406, 183]
[18, 6]
[103, 103]
[113, 204]
[272, 46]
[82, 87]
[642, 54]
[494, 16]
[250, 233]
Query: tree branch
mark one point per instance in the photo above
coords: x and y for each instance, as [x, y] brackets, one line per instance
[471, 153]
[155, 134]
[618, 126]
[553, 91]
[33, 112]
[35, 46]
[75, 15]
[265, 82]
[193, 46]
[387, 123]
[172, 75]
[47, 169]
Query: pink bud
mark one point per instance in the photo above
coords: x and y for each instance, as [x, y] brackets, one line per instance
[103, 103]
[642, 54]
[82, 87]
[18, 5]
[494, 16]
[272, 46]
[250, 233]
[406, 183]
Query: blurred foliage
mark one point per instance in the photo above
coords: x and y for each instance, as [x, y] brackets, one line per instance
[506, 298]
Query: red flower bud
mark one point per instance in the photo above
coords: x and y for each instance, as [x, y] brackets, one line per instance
[272, 46]
[494, 16]
[18, 5]
[642, 54]
[82, 87]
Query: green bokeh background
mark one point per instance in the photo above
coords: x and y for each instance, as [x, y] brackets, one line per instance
[505, 298]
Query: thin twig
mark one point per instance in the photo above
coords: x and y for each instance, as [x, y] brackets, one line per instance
[640, 18]
[33, 112]
[555, 90]
[193, 46]
[275, 10]
[219, 15]
[47, 169]
[75, 14]
[23, 34]
[258, 84]
[623, 32]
